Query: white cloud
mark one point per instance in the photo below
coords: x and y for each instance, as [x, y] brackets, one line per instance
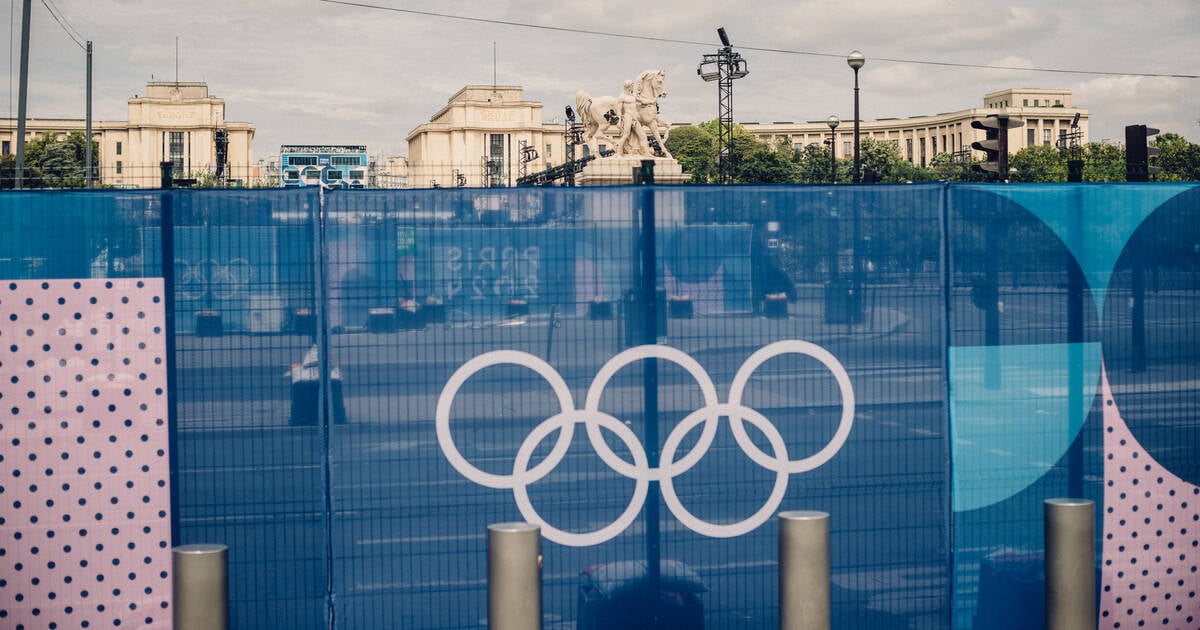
[303, 69]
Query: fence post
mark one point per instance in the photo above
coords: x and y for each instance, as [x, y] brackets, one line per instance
[514, 577]
[804, 570]
[200, 586]
[1070, 526]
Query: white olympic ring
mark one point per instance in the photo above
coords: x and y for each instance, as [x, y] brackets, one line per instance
[639, 470]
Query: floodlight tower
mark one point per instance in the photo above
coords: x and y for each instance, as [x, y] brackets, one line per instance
[723, 67]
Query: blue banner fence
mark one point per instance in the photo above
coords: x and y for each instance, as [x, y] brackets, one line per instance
[362, 381]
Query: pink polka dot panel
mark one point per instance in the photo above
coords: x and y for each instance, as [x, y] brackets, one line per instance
[84, 474]
[1151, 536]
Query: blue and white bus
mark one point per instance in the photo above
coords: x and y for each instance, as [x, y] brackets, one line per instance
[335, 166]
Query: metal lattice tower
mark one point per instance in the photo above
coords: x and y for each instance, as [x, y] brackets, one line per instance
[723, 67]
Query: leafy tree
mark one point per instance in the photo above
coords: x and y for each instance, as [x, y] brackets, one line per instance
[765, 166]
[30, 177]
[1103, 163]
[744, 143]
[58, 163]
[883, 158]
[943, 167]
[1179, 159]
[1038, 163]
[813, 165]
[696, 150]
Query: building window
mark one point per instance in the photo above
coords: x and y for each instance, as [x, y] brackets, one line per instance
[1046, 137]
[846, 148]
[922, 152]
[356, 174]
[496, 145]
[118, 167]
[7, 148]
[908, 141]
[118, 147]
[1030, 137]
[933, 142]
[1025, 102]
[549, 154]
[176, 153]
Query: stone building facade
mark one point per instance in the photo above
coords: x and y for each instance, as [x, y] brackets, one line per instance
[177, 122]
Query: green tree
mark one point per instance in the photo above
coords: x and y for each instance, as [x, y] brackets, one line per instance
[765, 166]
[696, 150]
[744, 143]
[813, 165]
[30, 178]
[1038, 163]
[1103, 163]
[943, 167]
[59, 163]
[883, 159]
[1179, 159]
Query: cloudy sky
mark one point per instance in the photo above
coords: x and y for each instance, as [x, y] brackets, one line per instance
[319, 71]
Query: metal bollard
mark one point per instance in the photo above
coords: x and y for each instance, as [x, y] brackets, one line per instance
[1070, 564]
[200, 586]
[514, 577]
[804, 571]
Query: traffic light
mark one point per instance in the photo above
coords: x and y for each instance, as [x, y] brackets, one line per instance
[995, 145]
[1138, 153]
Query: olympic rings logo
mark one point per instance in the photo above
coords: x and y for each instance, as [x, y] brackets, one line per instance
[639, 469]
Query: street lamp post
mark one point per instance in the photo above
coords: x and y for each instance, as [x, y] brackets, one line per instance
[856, 60]
[833, 123]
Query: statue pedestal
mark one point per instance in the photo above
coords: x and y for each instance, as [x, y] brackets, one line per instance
[618, 170]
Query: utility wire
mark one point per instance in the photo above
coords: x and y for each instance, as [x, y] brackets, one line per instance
[66, 26]
[665, 40]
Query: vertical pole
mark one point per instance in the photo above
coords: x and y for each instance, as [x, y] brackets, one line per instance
[649, 301]
[23, 94]
[991, 323]
[804, 571]
[1138, 314]
[87, 134]
[857, 160]
[200, 585]
[167, 246]
[514, 577]
[1070, 564]
[832, 157]
[1075, 387]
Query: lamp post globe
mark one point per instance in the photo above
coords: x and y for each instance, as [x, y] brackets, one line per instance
[856, 60]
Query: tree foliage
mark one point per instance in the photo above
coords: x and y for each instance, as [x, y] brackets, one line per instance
[696, 150]
[52, 163]
[1179, 159]
[1038, 163]
[756, 162]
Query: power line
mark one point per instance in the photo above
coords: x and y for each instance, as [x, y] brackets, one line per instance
[666, 40]
[62, 21]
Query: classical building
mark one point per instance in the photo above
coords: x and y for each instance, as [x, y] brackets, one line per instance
[1046, 114]
[486, 135]
[477, 139]
[174, 122]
